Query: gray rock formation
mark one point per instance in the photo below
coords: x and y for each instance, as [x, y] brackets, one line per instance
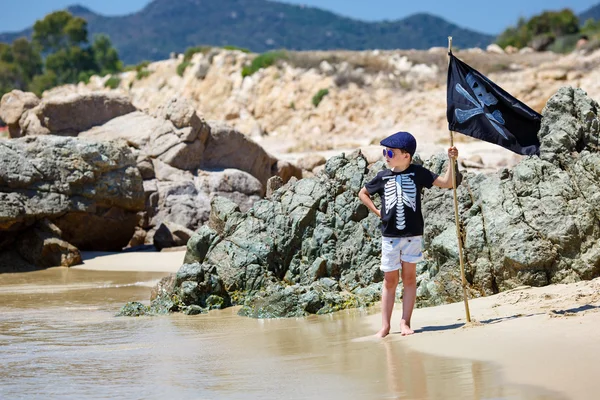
[314, 248]
[91, 191]
[534, 225]
[185, 162]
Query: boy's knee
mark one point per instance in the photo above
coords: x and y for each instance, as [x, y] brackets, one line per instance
[409, 280]
[390, 281]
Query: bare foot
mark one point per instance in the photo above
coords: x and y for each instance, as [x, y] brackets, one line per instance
[382, 333]
[405, 328]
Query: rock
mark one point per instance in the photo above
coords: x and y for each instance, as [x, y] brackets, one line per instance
[69, 115]
[554, 74]
[273, 184]
[526, 50]
[309, 162]
[494, 48]
[91, 191]
[138, 238]
[314, 248]
[158, 138]
[170, 234]
[12, 106]
[287, 170]
[43, 247]
[201, 69]
[541, 42]
[227, 148]
[511, 50]
[133, 309]
[165, 286]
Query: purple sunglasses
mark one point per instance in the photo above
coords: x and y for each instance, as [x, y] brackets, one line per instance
[388, 153]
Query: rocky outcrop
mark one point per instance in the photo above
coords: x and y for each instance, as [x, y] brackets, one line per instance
[314, 248]
[89, 193]
[61, 115]
[185, 162]
[536, 224]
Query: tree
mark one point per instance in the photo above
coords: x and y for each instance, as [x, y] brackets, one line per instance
[106, 56]
[58, 54]
[26, 58]
[548, 25]
[59, 30]
[67, 64]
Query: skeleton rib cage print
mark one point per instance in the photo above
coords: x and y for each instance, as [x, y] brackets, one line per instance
[400, 192]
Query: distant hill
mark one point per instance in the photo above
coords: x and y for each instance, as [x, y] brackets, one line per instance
[164, 26]
[593, 13]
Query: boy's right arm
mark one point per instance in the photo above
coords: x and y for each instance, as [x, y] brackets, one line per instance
[364, 196]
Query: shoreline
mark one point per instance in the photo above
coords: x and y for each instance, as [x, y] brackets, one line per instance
[545, 337]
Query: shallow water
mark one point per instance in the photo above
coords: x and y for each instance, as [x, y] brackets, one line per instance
[59, 339]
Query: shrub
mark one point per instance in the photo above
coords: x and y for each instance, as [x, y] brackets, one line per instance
[138, 67]
[113, 82]
[243, 50]
[263, 61]
[143, 73]
[190, 51]
[565, 44]
[317, 98]
[182, 67]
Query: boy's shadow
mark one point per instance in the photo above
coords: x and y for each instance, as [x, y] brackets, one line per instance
[567, 312]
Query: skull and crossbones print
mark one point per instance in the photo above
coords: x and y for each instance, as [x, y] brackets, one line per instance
[483, 99]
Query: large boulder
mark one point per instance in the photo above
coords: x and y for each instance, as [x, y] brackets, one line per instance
[90, 190]
[156, 138]
[64, 115]
[314, 248]
[228, 148]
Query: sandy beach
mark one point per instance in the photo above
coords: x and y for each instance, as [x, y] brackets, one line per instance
[545, 337]
[143, 261]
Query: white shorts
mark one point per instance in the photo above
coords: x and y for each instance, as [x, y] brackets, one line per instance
[396, 250]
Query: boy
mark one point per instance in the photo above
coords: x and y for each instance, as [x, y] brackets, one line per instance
[401, 222]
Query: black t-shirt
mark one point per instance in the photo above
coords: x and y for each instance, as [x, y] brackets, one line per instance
[401, 199]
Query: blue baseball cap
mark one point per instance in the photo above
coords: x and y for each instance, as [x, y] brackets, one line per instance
[401, 140]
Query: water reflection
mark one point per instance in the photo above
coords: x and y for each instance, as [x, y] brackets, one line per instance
[59, 339]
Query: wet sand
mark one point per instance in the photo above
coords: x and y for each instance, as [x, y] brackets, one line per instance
[537, 339]
[60, 339]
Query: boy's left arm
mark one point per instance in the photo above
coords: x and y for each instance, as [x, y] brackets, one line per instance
[446, 180]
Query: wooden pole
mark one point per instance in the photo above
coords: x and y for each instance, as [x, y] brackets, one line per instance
[460, 249]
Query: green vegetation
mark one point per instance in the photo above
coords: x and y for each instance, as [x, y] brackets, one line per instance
[143, 73]
[264, 61]
[317, 98]
[58, 53]
[113, 82]
[243, 50]
[189, 53]
[557, 31]
[182, 67]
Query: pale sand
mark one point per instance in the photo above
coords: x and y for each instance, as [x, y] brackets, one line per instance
[547, 337]
[143, 261]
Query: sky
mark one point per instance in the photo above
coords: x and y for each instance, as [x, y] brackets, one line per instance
[482, 16]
